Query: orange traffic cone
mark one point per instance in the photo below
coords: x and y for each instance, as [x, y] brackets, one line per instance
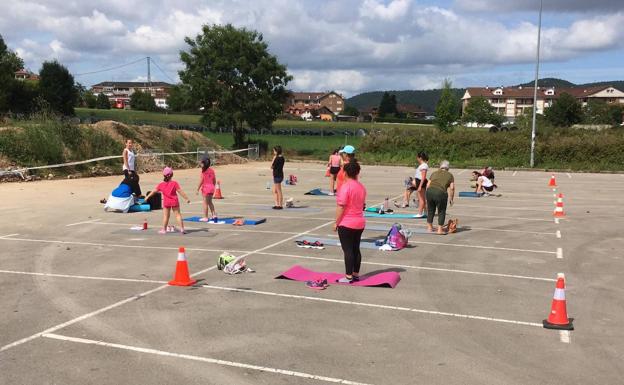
[559, 207]
[553, 182]
[558, 317]
[182, 277]
[217, 193]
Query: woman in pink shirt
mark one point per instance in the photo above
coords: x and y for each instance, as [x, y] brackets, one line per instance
[350, 221]
[206, 185]
[169, 190]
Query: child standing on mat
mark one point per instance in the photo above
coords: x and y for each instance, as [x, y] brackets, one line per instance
[350, 222]
[169, 189]
[206, 186]
[277, 165]
[418, 184]
[334, 167]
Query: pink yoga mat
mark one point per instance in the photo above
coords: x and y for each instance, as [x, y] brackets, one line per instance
[385, 279]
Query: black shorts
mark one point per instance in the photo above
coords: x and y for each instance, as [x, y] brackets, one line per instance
[278, 179]
[488, 189]
[417, 182]
[334, 170]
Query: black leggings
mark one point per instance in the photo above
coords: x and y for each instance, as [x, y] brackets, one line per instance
[436, 199]
[350, 242]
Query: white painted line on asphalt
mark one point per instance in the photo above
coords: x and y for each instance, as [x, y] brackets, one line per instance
[514, 173]
[81, 223]
[558, 234]
[557, 220]
[373, 305]
[559, 253]
[130, 299]
[564, 336]
[568, 174]
[482, 247]
[437, 269]
[8, 235]
[203, 359]
[80, 276]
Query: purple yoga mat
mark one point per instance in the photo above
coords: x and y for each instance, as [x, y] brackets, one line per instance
[385, 279]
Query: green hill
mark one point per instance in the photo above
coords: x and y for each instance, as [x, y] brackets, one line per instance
[427, 99]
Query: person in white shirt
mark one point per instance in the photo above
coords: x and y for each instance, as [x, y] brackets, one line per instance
[129, 163]
[418, 184]
[484, 184]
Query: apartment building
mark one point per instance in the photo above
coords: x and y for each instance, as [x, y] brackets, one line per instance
[119, 92]
[301, 102]
[514, 101]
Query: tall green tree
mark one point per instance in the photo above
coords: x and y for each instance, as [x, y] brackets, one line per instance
[90, 101]
[565, 111]
[447, 109]
[350, 110]
[9, 63]
[142, 101]
[102, 102]
[599, 112]
[56, 86]
[234, 79]
[480, 111]
[387, 105]
[179, 99]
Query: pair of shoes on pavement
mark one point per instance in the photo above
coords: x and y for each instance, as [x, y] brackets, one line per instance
[310, 245]
[277, 207]
[317, 284]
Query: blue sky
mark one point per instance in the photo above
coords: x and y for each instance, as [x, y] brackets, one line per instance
[351, 46]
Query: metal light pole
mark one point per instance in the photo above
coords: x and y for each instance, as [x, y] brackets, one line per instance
[539, 33]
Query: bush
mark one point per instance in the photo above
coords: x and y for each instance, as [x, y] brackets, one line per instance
[556, 148]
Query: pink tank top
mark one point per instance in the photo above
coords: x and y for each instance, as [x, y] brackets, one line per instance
[335, 160]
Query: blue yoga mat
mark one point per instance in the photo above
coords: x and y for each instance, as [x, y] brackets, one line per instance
[140, 208]
[228, 221]
[469, 194]
[317, 191]
[391, 216]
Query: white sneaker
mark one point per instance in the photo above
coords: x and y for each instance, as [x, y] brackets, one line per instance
[420, 215]
[331, 194]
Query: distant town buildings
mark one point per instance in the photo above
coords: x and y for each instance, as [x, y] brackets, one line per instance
[514, 101]
[299, 103]
[25, 74]
[119, 93]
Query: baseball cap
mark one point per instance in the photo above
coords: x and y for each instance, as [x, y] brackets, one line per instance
[167, 171]
[348, 149]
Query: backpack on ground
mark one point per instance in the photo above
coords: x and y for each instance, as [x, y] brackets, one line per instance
[397, 238]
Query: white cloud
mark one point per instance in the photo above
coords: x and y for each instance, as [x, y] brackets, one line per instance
[348, 45]
[533, 5]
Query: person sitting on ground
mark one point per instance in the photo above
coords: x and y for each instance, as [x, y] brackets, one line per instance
[484, 184]
[350, 221]
[441, 188]
[418, 184]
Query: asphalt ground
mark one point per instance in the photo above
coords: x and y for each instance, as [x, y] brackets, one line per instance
[85, 299]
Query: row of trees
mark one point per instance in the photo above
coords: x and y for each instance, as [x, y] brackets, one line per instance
[54, 91]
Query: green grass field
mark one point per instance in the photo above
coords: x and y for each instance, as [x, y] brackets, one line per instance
[157, 118]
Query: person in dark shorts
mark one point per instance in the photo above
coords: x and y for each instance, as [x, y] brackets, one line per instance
[278, 177]
[418, 184]
[441, 186]
[334, 167]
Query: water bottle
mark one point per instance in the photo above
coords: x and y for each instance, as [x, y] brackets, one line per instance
[386, 204]
[268, 185]
[145, 224]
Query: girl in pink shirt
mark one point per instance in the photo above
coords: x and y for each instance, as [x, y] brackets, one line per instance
[206, 185]
[350, 222]
[169, 190]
